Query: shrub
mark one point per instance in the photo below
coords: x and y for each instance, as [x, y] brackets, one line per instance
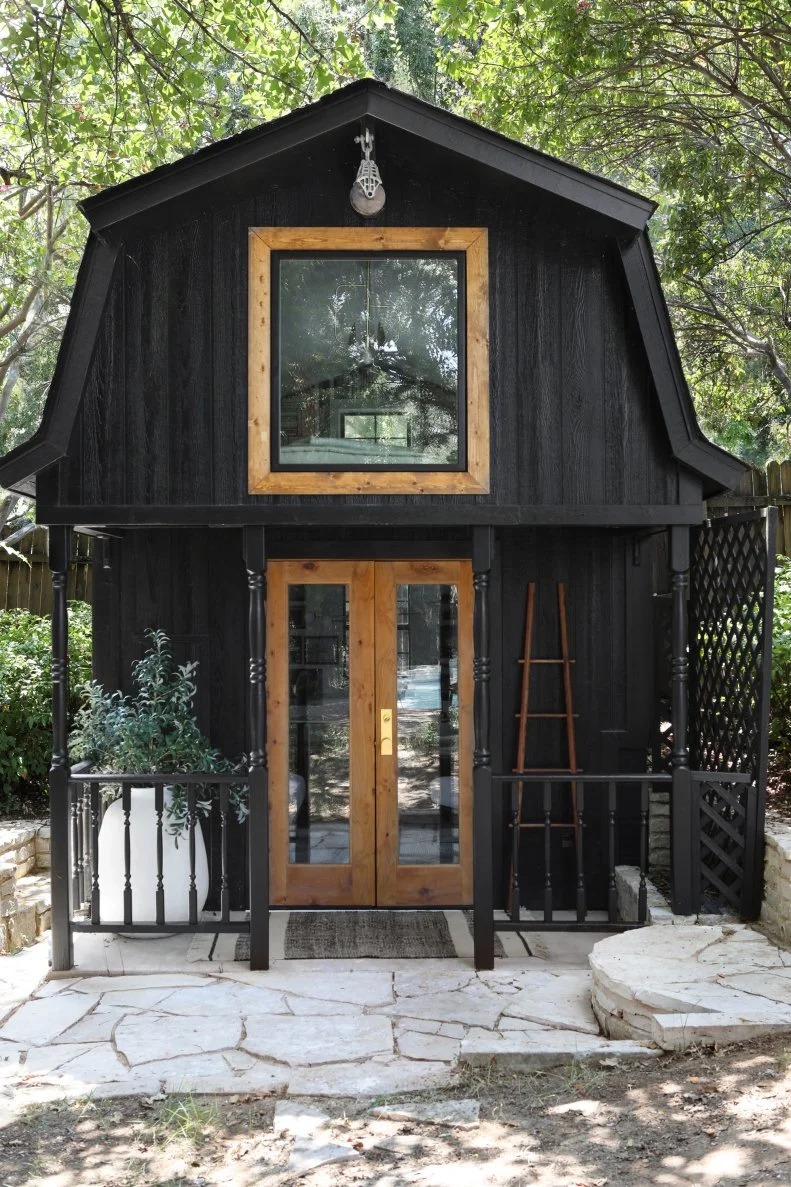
[154, 730]
[780, 725]
[26, 700]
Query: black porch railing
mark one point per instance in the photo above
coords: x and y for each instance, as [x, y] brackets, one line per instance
[87, 802]
[693, 811]
[606, 786]
[77, 808]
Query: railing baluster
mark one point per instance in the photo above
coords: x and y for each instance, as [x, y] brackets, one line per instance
[126, 803]
[612, 897]
[580, 838]
[516, 893]
[75, 846]
[547, 852]
[192, 822]
[642, 894]
[95, 817]
[78, 792]
[159, 804]
[225, 903]
[85, 823]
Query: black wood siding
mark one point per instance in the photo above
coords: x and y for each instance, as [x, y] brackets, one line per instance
[574, 420]
[608, 577]
[191, 582]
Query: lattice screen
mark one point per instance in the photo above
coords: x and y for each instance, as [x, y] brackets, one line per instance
[730, 640]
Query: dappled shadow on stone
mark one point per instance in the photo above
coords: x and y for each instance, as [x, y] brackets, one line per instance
[706, 1119]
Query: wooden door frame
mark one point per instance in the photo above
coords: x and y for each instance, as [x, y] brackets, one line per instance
[421, 885]
[373, 875]
[323, 885]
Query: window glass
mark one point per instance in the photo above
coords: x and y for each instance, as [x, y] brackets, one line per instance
[368, 362]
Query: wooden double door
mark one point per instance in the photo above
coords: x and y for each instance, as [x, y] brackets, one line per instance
[369, 715]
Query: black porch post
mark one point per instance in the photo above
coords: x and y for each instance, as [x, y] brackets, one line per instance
[258, 823]
[59, 558]
[683, 826]
[483, 874]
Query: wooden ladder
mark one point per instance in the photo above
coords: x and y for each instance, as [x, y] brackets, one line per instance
[525, 715]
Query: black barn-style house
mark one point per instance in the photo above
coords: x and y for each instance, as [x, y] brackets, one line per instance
[370, 406]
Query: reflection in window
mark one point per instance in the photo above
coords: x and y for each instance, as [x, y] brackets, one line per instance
[318, 724]
[428, 724]
[368, 367]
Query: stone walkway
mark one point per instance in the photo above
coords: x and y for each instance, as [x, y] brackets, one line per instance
[304, 1028]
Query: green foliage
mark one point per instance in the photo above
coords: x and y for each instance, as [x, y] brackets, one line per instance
[26, 698]
[687, 100]
[780, 723]
[154, 730]
[97, 92]
[94, 93]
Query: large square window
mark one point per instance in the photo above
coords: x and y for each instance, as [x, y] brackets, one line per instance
[368, 360]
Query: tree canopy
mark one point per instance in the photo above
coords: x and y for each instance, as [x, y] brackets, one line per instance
[690, 101]
[687, 100]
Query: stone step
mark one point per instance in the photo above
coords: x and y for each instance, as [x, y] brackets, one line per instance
[550, 1048]
[24, 846]
[686, 986]
[25, 914]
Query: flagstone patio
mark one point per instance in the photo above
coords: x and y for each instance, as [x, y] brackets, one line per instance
[150, 1021]
[145, 1016]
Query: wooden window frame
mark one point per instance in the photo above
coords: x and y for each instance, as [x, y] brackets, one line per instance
[262, 479]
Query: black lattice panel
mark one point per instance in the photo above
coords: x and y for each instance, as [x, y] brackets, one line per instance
[728, 607]
[730, 637]
[723, 832]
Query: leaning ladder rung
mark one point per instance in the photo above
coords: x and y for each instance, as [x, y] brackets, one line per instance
[564, 716]
[548, 661]
[545, 771]
[540, 824]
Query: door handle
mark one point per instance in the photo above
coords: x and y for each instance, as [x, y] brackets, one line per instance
[386, 731]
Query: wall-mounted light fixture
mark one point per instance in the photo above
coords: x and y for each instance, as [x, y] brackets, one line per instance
[367, 194]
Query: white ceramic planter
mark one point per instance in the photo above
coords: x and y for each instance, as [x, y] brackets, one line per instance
[143, 844]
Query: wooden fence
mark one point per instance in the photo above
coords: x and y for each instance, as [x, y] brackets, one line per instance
[769, 487]
[25, 584]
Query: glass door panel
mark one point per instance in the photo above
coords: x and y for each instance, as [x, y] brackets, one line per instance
[424, 780]
[320, 669]
[318, 724]
[427, 694]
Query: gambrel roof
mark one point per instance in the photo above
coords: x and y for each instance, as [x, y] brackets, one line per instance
[226, 164]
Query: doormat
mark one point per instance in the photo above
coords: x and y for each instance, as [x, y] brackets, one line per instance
[354, 935]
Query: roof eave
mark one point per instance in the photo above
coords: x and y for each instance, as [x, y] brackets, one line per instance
[51, 440]
[719, 469]
[228, 158]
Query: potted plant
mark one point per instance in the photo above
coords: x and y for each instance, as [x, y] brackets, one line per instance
[155, 730]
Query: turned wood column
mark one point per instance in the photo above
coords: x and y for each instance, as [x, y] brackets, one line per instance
[684, 825]
[60, 539]
[258, 821]
[483, 873]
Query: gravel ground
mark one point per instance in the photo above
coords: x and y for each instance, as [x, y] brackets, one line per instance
[704, 1118]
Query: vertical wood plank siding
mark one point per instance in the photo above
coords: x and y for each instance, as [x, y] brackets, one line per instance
[611, 641]
[192, 583]
[163, 421]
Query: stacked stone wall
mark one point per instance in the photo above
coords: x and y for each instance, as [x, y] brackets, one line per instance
[776, 907]
[24, 885]
[658, 830]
